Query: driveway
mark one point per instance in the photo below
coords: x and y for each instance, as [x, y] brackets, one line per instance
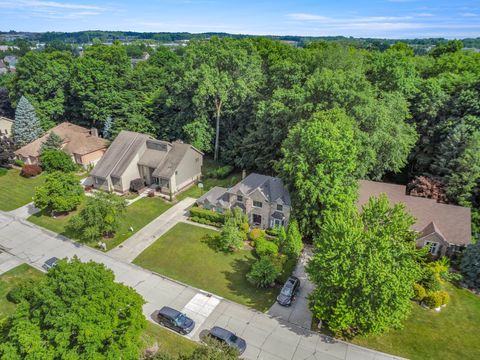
[267, 337]
[135, 244]
[298, 313]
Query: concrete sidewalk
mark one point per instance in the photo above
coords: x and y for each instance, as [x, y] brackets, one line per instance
[8, 262]
[25, 211]
[267, 337]
[138, 242]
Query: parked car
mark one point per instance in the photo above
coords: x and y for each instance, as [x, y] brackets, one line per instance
[289, 289]
[229, 338]
[175, 320]
[50, 263]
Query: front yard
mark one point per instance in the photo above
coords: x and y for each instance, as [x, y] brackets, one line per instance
[16, 191]
[450, 334]
[168, 341]
[184, 254]
[139, 214]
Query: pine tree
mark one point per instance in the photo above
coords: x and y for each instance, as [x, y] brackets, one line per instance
[26, 127]
[107, 128]
[53, 142]
[293, 244]
[470, 265]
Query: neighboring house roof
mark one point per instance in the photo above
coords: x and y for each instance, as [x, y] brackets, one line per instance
[449, 222]
[215, 196]
[129, 144]
[2, 65]
[76, 140]
[271, 187]
[3, 118]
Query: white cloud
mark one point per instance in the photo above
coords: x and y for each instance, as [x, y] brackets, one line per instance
[469, 14]
[22, 4]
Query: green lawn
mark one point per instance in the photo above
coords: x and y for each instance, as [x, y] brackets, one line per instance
[450, 334]
[16, 191]
[10, 279]
[208, 183]
[184, 254]
[139, 214]
[167, 340]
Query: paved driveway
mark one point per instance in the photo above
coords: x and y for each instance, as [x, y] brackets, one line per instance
[267, 337]
[298, 313]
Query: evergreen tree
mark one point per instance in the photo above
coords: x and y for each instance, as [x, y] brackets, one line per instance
[293, 244]
[107, 128]
[53, 142]
[470, 265]
[26, 127]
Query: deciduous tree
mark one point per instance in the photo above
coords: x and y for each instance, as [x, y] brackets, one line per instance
[61, 192]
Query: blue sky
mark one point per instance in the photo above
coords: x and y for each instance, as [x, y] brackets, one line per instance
[376, 18]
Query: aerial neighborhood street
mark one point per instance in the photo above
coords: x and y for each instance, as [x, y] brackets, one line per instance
[222, 180]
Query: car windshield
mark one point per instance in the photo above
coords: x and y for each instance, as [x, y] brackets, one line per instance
[232, 339]
[180, 320]
[287, 291]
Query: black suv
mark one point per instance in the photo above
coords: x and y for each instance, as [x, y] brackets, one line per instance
[289, 289]
[175, 320]
[229, 338]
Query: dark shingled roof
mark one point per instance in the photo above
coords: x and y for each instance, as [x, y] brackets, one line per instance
[451, 222]
[271, 187]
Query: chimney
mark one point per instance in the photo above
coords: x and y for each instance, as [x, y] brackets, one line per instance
[94, 132]
[244, 174]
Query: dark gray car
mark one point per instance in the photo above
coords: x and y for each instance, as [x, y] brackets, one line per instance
[289, 289]
[50, 263]
[175, 320]
[228, 337]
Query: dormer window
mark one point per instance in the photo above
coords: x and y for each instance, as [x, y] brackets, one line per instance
[279, 207]
[239, 198]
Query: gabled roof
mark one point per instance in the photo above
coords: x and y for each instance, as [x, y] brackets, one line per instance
[215, 196]
[76, 140]
[270, 187]
[451, 222]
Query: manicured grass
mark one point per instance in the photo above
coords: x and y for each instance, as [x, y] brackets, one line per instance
[450, 334]
[168, 341]
[9, 280]
[16, 191]
[183, 253]
[139, 214]
[208, 183]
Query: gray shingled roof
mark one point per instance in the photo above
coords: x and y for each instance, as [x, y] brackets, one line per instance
[215, 196]
[175, 155]
[119, 155]
[271, 187]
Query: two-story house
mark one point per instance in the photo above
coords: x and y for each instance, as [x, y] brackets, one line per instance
[263, 198]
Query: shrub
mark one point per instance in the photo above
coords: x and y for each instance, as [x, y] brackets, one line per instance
[137, 184]
[245, 228]
[434, 299]
[151, 193]
[231, 238]
[445, 296]
[272, 232]
[31, 171]
[224, 171]
[207, 214]
[430, 280]
[256, 234]
[57, 160]
[265, 248]
[20, 292]
[419, 292]
[19, 162]
[263, 273]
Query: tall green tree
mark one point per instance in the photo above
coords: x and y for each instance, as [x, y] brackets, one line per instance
[76, 311]
[470, 265]
[221, 75]
[293, 243]
[26, 126]
[364, 267]
[318, 166]
[61, 192]
[57, 160]
[53, 142]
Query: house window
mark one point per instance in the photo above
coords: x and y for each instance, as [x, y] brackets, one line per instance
[257, 219]
[276, 223]
[257, 204]
[279, 207]
[239, 198]
[434, 247]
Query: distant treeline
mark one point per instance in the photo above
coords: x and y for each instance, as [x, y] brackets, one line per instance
[82, 37]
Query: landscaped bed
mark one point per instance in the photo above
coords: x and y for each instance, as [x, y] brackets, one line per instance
[168, 342]
[138, 214]
[450, 334]
[184, 254]
[16, 190]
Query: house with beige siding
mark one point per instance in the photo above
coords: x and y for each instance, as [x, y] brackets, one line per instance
[5, 126]
[169, 167]
[263, 198]
[82, 144]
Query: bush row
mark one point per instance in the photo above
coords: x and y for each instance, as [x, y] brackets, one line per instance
[205, 221]
[209, 215]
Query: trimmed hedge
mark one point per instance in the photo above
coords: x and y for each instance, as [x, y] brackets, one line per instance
[209, 215]
[205, 221]
[31, 171]
[256, 234]
[265, 248]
